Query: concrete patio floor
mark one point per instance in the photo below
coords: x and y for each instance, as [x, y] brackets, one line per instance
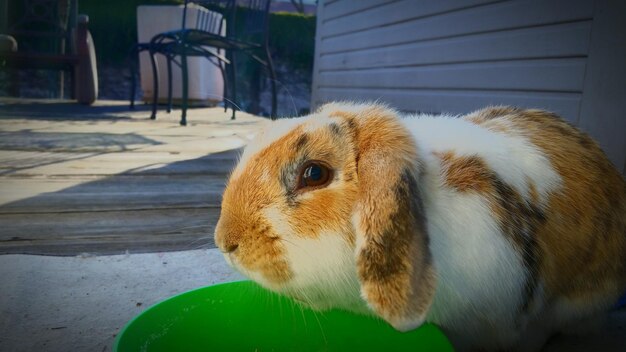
[81, 303]
[84, 185]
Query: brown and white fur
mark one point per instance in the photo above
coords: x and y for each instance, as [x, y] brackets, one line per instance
[502, 227]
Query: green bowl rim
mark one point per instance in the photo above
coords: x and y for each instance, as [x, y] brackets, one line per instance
[118, 337]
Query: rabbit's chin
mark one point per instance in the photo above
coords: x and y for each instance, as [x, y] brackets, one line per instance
[323, 273]
[314, 293]
[318, 293]
[320, 299]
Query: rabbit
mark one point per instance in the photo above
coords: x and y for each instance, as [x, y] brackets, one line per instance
[502, 227]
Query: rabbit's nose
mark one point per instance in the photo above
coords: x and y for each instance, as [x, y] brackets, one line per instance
[231, 247]
[227, 235]
[226, 242]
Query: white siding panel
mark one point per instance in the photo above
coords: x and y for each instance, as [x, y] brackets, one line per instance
[457, 102]
[565, 75]
[436, 56]
[389, 12]
[565, 40]
[337, 9]
[496, 17]
[449, 56]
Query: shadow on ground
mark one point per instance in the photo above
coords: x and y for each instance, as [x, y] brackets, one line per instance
[81, 142]
[35, 109]
[152, 208]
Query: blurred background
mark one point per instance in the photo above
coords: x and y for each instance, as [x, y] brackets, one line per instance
[113, 25]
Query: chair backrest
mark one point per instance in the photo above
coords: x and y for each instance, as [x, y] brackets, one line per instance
[245, 19]
[42, 26]
[253, 17]
[206, 22]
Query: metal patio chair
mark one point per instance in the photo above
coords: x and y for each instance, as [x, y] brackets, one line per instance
[247, 30]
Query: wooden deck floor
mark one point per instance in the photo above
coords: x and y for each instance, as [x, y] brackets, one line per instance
[106, 180]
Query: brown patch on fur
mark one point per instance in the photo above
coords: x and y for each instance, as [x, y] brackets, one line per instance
[491, 113]
[328, 210]
[394, 264]
[583, 240]
[465, 173]
[284, 148]
[490, 118]
[349, 125]
[335, 129]
[301, 142]
[532, 191]
[517, 219]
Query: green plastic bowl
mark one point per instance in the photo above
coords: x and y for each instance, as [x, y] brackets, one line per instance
[242, 316]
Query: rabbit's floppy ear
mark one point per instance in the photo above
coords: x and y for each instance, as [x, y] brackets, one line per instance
[394, 264]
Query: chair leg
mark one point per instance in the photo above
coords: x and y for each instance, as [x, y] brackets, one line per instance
[133, 72]
[61, 83]
[133, 87]
[224, 85]
[169, 84]
[183, 61]
[155, 85]
[270, 65]
[74, 80]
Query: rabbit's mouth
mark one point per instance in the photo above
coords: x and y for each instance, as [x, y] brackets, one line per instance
[273, 274]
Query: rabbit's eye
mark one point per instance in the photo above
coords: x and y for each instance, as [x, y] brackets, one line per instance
[314, 174]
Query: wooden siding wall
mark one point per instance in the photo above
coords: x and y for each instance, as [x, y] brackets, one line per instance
[456, 56]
